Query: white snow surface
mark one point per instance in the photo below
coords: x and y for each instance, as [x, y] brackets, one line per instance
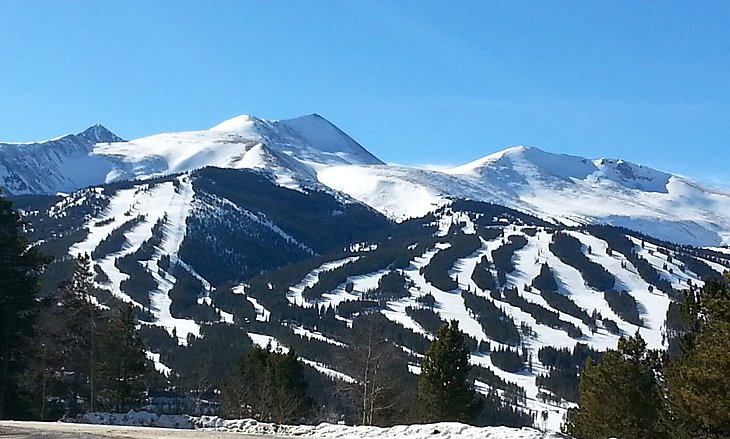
[309, 149]
[561, 187]
[441, 430]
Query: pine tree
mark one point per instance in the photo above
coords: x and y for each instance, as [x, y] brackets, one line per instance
[121, 365]
[698, 384]
[20, 267]
[77, 332]
[268, 386]
[619, 397]
[444, 391]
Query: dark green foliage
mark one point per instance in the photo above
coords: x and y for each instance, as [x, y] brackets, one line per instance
[698, 267]
[349, 308]
[617, 240]
[114, 242]
[541, 314]
[121, 365]
[496, 324]
[565, 304]
[619, 397]
[493, 410]
[482, 275]
[436, 272]
[391, 255]
[444, 392]
[513, 392]
[564, 367]
[242, 309]
[565, 358]
[569, 250]
[268, 386]
[184, 296]
[427, 300]
[86, 357]
[20, 267]
[508, 360]
[545, 281]
[62, 224]
[427, 318]
[339, 224]
[226, 243]
[393, 285]
[502, 256]
[624, 304]
[490, 233]
[201, 366]
[140, 282]
[698, 384]
[611, 326]
[489, 214]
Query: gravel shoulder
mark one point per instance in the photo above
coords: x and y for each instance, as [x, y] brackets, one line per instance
[58, 430]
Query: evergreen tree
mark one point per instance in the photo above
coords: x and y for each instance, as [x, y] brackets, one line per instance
[76, 336]
[121, 363]
[698, 384]
[619, 397]
[268, 386]
[20, 266]
[444, 391]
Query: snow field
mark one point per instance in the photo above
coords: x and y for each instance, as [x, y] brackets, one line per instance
[294, 296]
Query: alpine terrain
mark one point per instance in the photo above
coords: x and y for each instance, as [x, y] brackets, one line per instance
[290, 234]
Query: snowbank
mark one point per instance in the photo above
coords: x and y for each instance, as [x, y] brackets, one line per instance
[442, 430]
[136, 419]
[419, 431]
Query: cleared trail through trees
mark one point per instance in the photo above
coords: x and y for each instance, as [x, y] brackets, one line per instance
[57, 430]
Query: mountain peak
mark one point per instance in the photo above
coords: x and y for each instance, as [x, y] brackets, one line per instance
[99, 134]
[239, 124]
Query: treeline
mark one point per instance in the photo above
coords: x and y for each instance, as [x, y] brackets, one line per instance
[541, 314]
[635, 392]
[563, 370]
[502, 256]
[618, 241]
[495, 323]
[82, 357]
[436, 272]
[569, 250]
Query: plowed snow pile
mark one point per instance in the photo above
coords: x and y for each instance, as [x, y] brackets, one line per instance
[442, 430]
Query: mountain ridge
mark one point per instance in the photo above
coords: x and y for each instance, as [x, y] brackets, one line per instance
[309, 150]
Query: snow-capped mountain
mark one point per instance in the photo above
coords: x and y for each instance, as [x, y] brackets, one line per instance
[293, 149]
[63, 164]
[569, 189]
[310, 150]
[203, 248]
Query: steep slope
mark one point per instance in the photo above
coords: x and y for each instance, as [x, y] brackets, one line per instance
[59, 165]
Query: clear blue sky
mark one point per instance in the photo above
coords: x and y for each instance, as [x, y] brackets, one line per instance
[415, 82]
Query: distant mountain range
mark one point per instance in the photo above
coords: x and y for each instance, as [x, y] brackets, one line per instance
[309, 150]
[291, 231]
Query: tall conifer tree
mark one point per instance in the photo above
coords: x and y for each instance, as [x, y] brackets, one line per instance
[20, 267]
[619, 397]
[698, 382]
[444, 391]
